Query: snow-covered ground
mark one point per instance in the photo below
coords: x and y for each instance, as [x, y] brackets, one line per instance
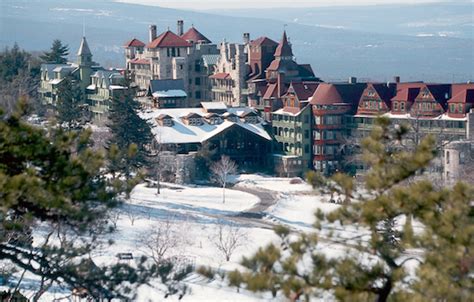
[196, 213]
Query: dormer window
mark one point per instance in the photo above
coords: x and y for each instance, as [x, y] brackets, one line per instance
[371, 93]
[165, 121]
[425, 93]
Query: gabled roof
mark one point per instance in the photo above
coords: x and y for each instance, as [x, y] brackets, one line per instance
[440, 92]
[164, 116]
[134, 43]
[220, 76]
[265, 41]
[249, 113]
[168, 39]
[284, 48]
[326, 94]
[303, 90]
[195, 36]
[84, 49]
[384, 92]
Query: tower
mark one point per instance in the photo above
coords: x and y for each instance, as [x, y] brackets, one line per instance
[84, 60]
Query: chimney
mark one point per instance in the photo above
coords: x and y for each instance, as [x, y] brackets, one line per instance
[152, 32]
[396, 79]
[352, 80]
[246, 38]
[180, 27]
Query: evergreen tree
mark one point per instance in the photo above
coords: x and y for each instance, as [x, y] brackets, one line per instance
[374, 269]
[58, 181]
[13, 62]
[58, 53]
[69, 109]
[130, 133]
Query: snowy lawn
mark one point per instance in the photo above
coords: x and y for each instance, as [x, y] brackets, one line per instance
[196, 199]
[277, 184]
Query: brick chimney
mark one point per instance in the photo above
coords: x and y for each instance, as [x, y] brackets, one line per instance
[396, 79]
[352, 80]
[152, 32]
[180, 27]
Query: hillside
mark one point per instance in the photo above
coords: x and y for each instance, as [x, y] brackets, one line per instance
[334, 53]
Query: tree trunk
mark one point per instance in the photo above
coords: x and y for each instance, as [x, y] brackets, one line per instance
[223, 193]
[385, 291]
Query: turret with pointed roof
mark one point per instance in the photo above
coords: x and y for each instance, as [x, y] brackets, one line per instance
[84, 54]
[84, 60]
[284, 50]
[194, 36]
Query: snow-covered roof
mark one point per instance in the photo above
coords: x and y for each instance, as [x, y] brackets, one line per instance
[172, 93]
[213, 106]
[181, 133]
[443, 117]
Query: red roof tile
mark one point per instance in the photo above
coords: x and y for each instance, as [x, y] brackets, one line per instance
[462, 93]
[134, 43]
[284, 48]
[271, 91]
[263, 41]
[326, 94]
[195, 36]
[303, 90]
[220, 76]
[168, 39]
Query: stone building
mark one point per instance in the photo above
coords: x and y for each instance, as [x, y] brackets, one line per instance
[172, 56]
[228, 82]
[458, 161]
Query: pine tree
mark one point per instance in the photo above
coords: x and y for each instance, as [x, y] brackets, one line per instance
[58, 53]
[445, 268]
[13, 62]
[69, 108]
[55, 179]
[130, 133]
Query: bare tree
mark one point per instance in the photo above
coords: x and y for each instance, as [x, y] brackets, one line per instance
[228, 238]
[162, 239]
[221, 171]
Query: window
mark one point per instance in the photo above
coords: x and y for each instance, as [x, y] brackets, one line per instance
[197, 81]
[460, 108]
[306, 134]
[452, 108]
[402, 106]
[198, 95]
[447, 157]
[306, 148]
[306, 119]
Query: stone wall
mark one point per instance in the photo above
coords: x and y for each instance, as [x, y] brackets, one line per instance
[178, 168]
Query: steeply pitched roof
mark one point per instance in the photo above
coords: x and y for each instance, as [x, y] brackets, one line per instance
[462, 93]
[407, 91]
[305, 70]
[265, 41]
[284, 48]
[134, 43]
[326, 94]
[195, 36]
[168, 39]
[84, 49]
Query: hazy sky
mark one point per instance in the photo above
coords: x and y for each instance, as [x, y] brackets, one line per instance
[223, 4]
